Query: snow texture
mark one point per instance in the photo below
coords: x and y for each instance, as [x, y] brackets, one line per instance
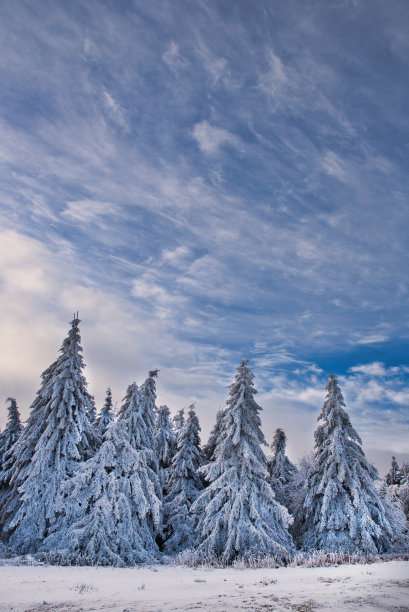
[237, 513]
[342, 509]
[378, 586]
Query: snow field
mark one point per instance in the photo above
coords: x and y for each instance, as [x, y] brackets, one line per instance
[378, 586]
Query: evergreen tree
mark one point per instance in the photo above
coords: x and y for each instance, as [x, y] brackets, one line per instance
[184, 485]
[178, 421]
[238, 515]
[106, 415]
[149, 411]
[297, 492]
[138, 410]
[342, 509]
[394, 476]
[280, 468]
[8, 439]
[403, 489]
[208, 448]
[110, 508]
[395, 515]
[58, 435]
[165, 441]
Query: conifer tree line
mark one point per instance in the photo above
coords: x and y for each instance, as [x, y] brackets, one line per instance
[77, 487]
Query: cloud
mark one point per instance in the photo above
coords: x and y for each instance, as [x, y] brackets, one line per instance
[210, 139]
[86, 211]
[173, 58]
[115, 111]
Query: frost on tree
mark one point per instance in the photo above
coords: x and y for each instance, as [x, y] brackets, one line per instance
[165, 441]
[178, 421]
[184, 485]
[280, 468]
[397, 480]
[138, 410]
[297, 492]
[58, 436]
[394, 476]
[144, 430]
[110, 509]
[209, 447]
[8, 439]
[106, 416]
[342, 509]
[238, 515]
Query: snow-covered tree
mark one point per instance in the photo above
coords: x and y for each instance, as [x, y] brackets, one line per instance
[138, 410]
[111, 512]
[209, 447]
[280, 468]
[106, 416]
[183, 486]
[238, 515]
[165, 441]
[57, 437]
[394, 476]
[178, 421]
[342, 509]
[149, 411]
[8, 439]
[297, 492]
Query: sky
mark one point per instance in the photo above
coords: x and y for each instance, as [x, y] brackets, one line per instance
[207, 181]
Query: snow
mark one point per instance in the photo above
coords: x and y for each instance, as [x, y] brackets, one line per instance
[380, 586]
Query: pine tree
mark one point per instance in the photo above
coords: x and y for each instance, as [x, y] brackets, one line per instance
[165, 441]
[149, 411]
[8, 439]
[58, 435]
[178, 421]
[138, 410]
[342, 509]
[297, 492]
[184, 485]
[110, 508]
[280, 468]
[209, 447]
[106, 416]
[237, 513]
[394, 476]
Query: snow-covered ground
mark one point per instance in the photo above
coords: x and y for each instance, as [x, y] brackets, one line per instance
[380, 586]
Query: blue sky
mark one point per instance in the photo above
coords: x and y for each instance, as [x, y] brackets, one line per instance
[206, 181]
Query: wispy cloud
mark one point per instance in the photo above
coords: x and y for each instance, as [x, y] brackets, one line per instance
[220, 183]
[211, 138]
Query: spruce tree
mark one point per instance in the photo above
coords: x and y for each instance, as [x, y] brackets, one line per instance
[111, 512]
[209, 447]
[183, 486]
[8, 439]
[178, 421]
[106, 416]
[280, 468]
[138, 410]
[238, 515]
[342, 509]
[165, 441]
[57, 437]
[394, 476]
